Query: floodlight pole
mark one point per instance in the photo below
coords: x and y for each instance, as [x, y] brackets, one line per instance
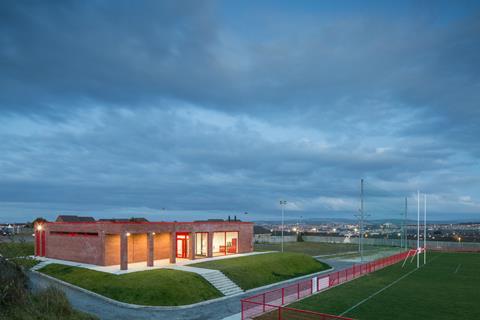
[282, 204]
[360, 241]
[405, 232]
[418, 228]
[425, 228]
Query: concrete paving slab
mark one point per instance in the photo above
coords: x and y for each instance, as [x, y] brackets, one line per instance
[141, 266]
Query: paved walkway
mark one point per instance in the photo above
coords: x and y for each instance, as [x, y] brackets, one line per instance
[140, 266]
[106, 311]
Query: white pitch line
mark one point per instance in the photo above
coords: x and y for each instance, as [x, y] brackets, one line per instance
[379, 291]
[384, 288]
[458, 267]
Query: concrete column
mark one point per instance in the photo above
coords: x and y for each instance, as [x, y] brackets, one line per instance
[210, 245]
[150, 249]
[192, 246]
[173, 247]
[123, 251]
[102, 253]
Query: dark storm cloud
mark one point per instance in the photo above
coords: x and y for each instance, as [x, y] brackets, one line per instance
[154, 104]
[117, 53]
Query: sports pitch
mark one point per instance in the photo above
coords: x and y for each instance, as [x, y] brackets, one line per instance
[447, 287]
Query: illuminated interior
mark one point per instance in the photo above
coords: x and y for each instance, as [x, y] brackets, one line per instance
[225, 243]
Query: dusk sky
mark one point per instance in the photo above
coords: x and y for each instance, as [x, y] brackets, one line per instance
[178, 110]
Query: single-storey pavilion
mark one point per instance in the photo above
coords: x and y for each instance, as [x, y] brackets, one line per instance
[118, 242]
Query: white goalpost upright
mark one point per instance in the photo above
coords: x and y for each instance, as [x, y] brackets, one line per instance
[424, 228]
[424, 248]
[418, 228]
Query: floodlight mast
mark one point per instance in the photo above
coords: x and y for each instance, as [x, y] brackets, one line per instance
[405, 232]
[425, 228]
[282, 204]
[360, 239]
[418, 228]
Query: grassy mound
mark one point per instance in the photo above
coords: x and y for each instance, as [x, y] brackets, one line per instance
[262, 269]
[160, 287]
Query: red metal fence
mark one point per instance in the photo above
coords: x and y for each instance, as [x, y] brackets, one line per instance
[272, 302]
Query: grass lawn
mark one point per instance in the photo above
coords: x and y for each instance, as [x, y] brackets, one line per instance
[446, 288]
[262, 269]
[18, 253]
[371, 252]
[310, 248]
[161, 287]
[16, 249]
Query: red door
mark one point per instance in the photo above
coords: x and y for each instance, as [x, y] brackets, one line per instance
[37, 243]
[43, 244]
[182, 245]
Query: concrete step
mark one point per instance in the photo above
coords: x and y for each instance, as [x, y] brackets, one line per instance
[222, 283]
[214, 275]
[225, 286]
[230, 291]
[217, 278]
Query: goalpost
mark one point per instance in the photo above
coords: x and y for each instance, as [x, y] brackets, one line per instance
[419, 249]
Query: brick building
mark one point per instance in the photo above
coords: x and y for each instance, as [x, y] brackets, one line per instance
[113, 242]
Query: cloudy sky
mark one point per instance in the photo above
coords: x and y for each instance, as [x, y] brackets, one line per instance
[197, 109]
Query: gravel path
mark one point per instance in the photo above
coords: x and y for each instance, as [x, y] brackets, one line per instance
[107, 311]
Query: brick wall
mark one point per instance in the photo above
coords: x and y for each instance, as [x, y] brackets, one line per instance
[161, 246]
[86, 249]
[112, 249]
[137, 248]
[245, 238]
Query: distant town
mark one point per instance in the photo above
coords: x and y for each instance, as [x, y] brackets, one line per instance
[437, 231]
[459, 232]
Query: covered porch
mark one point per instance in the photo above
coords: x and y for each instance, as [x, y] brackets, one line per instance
[156, 249]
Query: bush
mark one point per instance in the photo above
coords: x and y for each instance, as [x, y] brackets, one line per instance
[16, 249]
[13, 283]
[53, 301]
[299, 237]
[16, 302]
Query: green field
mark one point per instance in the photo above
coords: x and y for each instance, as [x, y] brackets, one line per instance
[16, 249]
[19, 253]
[310, 248]
[262, 269]
[446, 288]
[162, 287]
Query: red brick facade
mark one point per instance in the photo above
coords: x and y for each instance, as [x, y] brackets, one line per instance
[112, 243]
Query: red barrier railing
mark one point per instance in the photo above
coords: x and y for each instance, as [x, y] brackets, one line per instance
[285, 313]
[273, 301]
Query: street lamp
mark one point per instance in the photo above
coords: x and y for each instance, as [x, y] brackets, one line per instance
[282, 204]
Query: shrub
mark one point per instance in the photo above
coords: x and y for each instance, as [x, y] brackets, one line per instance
[13, 283]
[53, 301]
[16, 302]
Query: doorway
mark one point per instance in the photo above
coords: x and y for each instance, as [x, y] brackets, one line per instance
[183, 240]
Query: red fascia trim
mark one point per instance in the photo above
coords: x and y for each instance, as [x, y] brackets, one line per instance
[155, 222]
[73, 234]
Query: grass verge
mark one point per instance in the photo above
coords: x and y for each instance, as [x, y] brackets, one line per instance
[18, 303]
[49, 304]
[262, 269]
[161, 287]
[309, 248]
[16, 249]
